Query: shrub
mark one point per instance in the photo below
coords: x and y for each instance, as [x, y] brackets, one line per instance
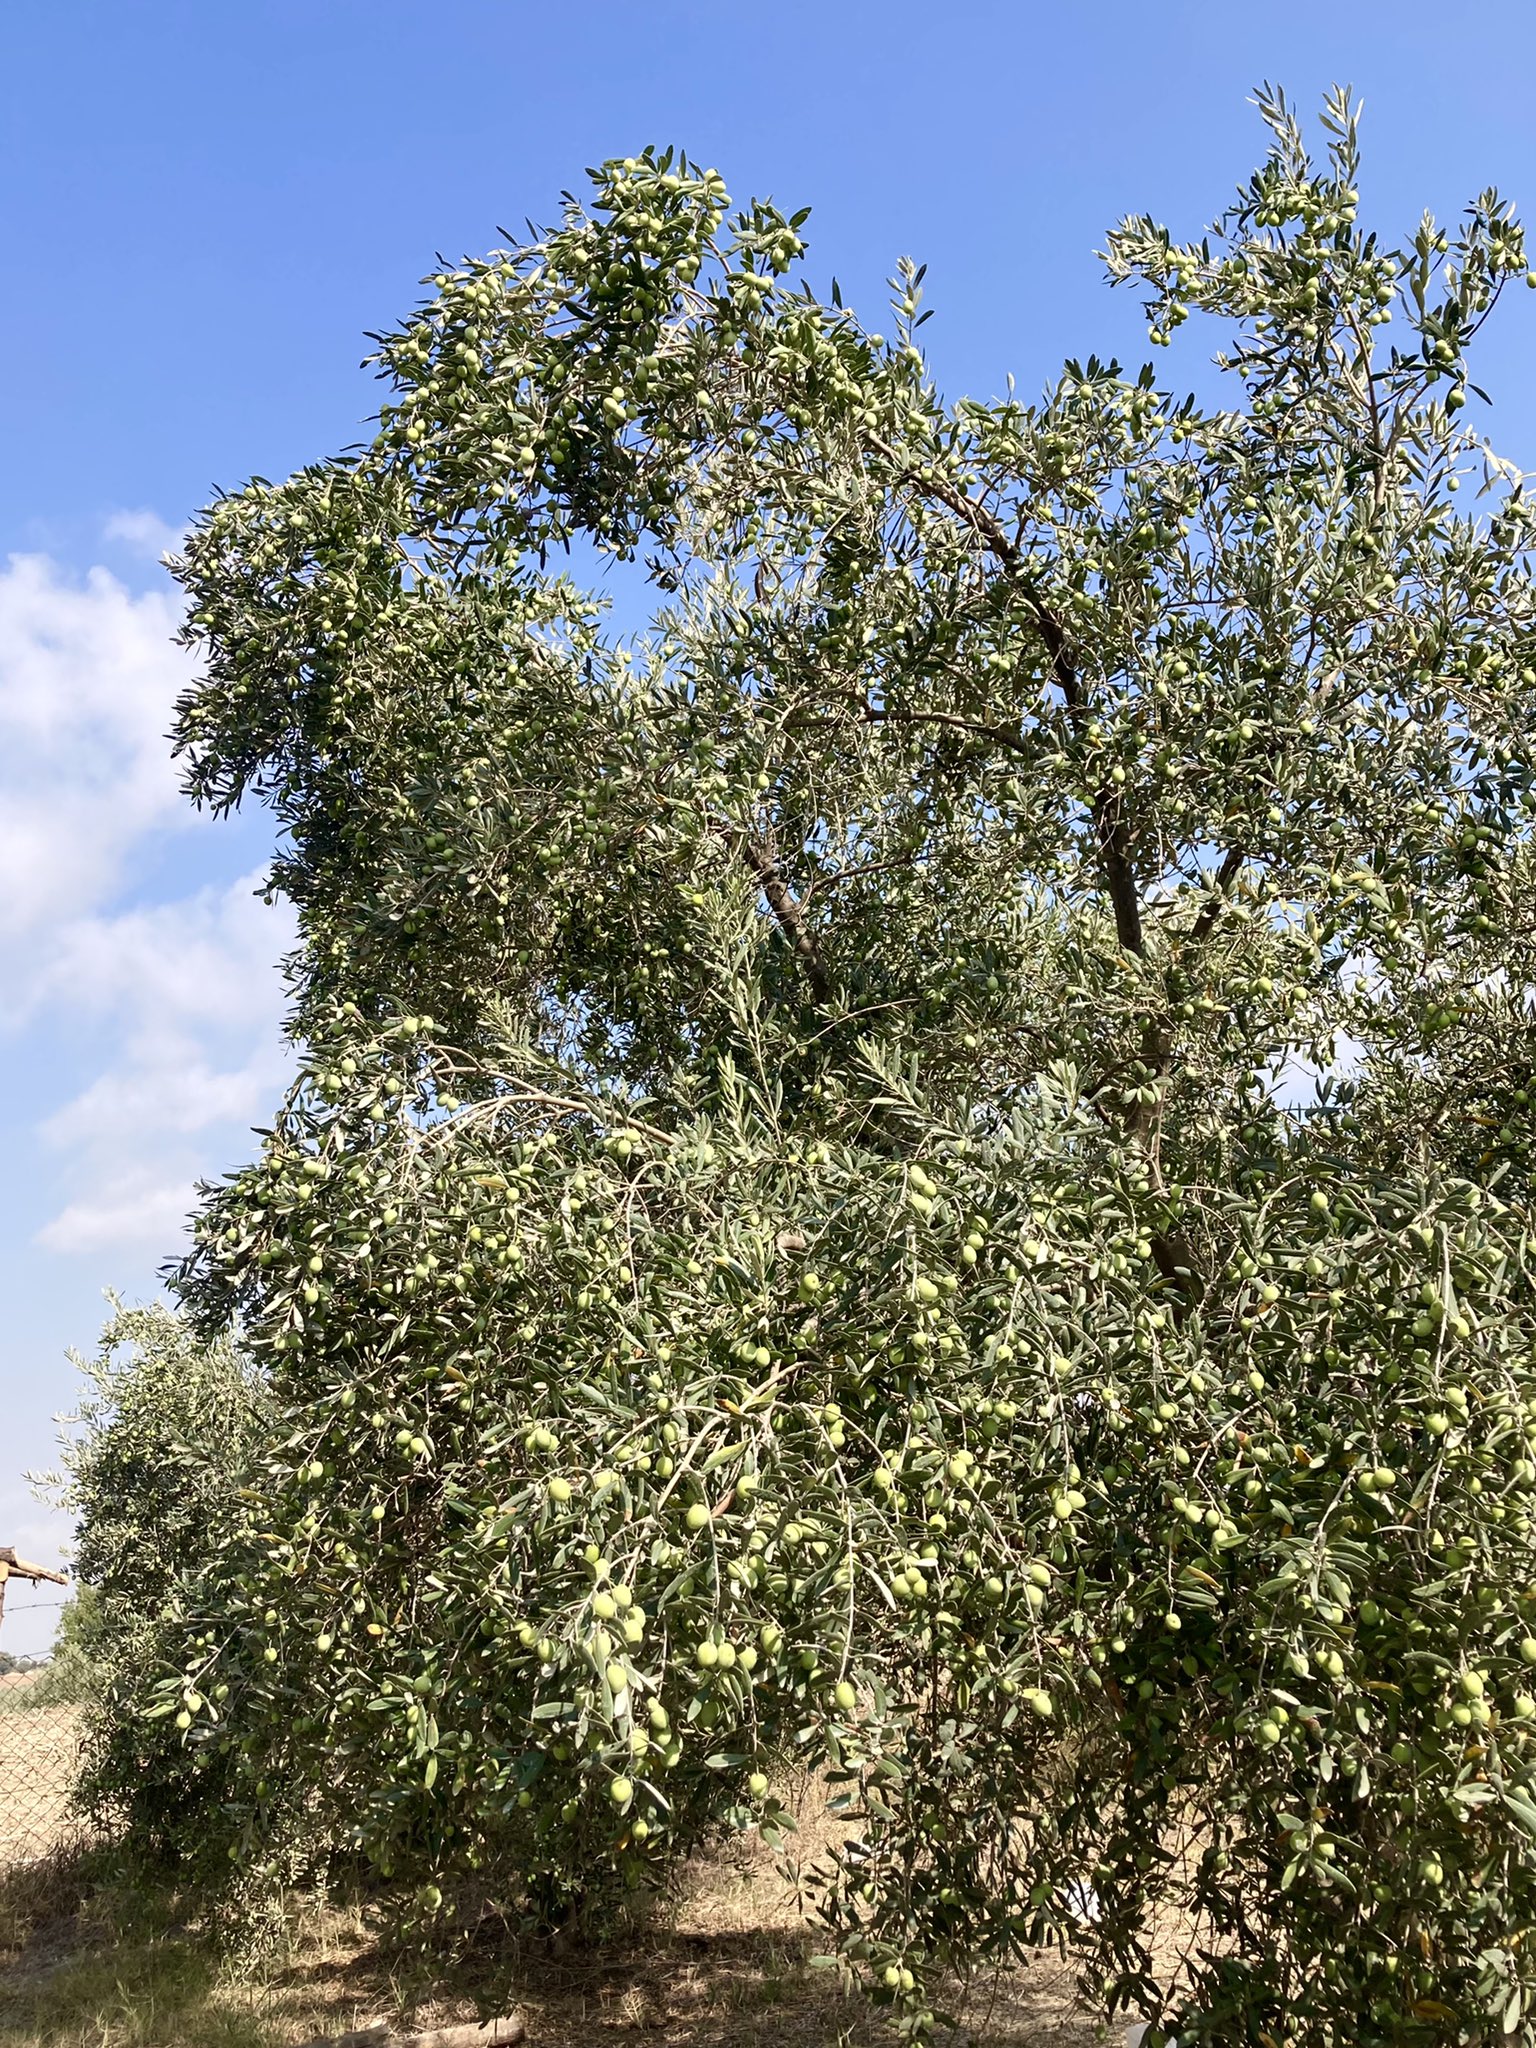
[151, 1462]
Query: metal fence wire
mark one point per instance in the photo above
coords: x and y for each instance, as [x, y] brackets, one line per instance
[39, 1765]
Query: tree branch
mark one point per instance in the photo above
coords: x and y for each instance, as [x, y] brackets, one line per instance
[1108, 813]
[876, 713]
[790, 915]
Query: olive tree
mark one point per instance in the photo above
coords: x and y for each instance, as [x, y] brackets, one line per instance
[924, 1166]
[151, 1461]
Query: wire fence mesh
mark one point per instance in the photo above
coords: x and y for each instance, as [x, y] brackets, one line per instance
[39, 1765]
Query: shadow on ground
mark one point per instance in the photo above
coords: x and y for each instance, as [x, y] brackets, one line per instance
[88, 1962]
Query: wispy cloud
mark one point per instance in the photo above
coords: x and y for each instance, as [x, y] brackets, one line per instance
[204, 959]
[172, 999]
[88, 679]
[142, 533]
[191, 997]
[131, 1210]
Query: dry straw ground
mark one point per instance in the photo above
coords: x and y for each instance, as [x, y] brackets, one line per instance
[87, 1963]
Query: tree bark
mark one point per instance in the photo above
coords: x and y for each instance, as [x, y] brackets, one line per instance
[785, 906]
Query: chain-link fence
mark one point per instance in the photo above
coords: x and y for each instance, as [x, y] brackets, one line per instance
[39, 1760]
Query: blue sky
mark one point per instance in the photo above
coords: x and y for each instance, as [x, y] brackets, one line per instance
[204, 211]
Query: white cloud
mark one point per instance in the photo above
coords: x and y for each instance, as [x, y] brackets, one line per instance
[191, 1000]
[205, 958]
[142, 533]
[160, 1016]
[167, 1088]
[88, 679]
[130, 1211]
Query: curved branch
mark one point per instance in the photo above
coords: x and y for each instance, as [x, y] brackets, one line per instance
[1108, 812]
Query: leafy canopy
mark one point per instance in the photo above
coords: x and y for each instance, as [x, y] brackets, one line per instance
[163, 1433]
[807, 1231]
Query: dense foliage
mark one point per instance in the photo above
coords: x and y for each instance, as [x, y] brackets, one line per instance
[807, 1231]
[152, 1459]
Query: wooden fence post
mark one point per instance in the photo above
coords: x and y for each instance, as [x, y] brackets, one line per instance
[14, 1567]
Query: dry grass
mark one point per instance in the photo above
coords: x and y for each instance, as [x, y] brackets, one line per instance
[88, 1963]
